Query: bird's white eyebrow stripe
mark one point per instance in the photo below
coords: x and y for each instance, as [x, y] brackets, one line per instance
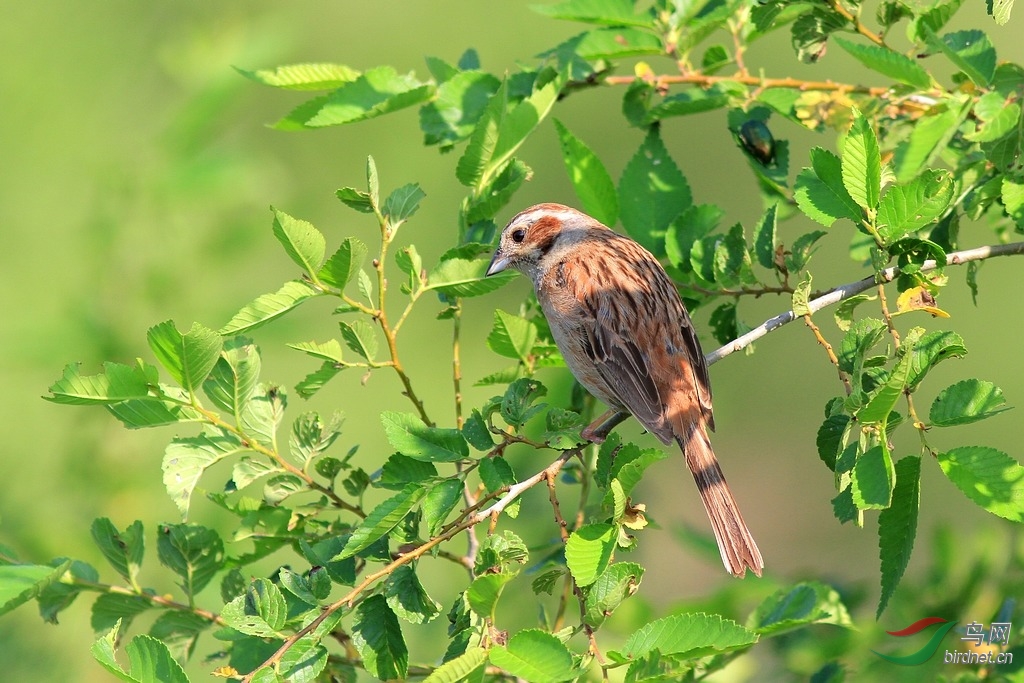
[529, 215]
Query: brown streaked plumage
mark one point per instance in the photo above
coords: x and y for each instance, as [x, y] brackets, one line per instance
[626, 336]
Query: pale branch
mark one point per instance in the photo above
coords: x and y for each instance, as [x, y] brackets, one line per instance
[838, 294]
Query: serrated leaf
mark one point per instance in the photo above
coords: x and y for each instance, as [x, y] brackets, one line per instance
[185, 460]
[536, 656]
[1000, 10]
[311, 76]
[652, 193]
[862, 163]
[930, 350]
[888, 62]
[808, 602]
[342, 266]
[459, 104]
[800, 253]
[190, 357]
[304, 244]
[873, 478]
[399, 470]
[20, 583]
[360, 336]
[268, 307]
[498, 192]
[512, 336]
[694, 634]
[378, 91]
[122, 549]
[972, 52]
[466, 277]
[881, 403]
[897, 527]
[820, 192]
[997, 115]
[476, 432]
[928, 137]
[608, 12]
[692, 101]
[191, 551]
[235, 375]
[315, 381]
[117, 383]
[589, 177]
[588, 552]
[811, 31]
[966, 401]
[262, 415]
[311, 436]
[261, 611]
[458, 668]
[382, 519]
[686, 231]
[407, 597]
[497, 474]
[863, 335]
[411, 437]
[402, 203]
[439, 502]
[485, 591]
[989, 477]
[616, 583]
[830, 438]
[377, 636]
[907, 208]
[764, 238]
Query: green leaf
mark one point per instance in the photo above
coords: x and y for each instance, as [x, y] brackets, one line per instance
[304, 244]
[873, 478]
[402, 203]
[862, 163]
[377, 636]
[189, 358]
[607, 12]
[590, 178]
[149, 659]
[972, 52]
[342, 266]
[888, 63]
[263, 414]
[692, 101]
[611, 43]
[117, 383]
[897, 527]
[512, 336]
[588, 552]
[20, 583]
[123, 550]
[502, 128]
[191, 551]
[382, 519]
[686, 231]
[407, 597]
[765, 238]
[485, 591]
[235, 375]
[998, 117]
[110, 608]
[311, 436]
[185, 460]
[1013, 199]
[928, 138]
[536, 656]
[930, 350]
[399, 470]
[356, 199]
[304, 660]
[830, 438]
[517, 404]
[497, 474]
[800, 253]
[261, 611]
[864, 334]
[907, 208]
[694, 634]
[439, 502]
[652, 193]
[459, 104]
[378, 91]
[820, 192]
[880, 404]
[967, 401]
[616, 583]
[476, 432]
[631, 465]
[408, 434]
[811, 31]
[989, 477]
[466, 277]
[460, 668]
[808, 602]
[317, 76]
[498, 192]
[268, 307]
[360, 336]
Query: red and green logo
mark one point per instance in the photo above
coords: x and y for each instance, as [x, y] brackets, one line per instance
[929, 649]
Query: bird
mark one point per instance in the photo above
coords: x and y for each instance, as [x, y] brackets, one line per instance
[619, 322]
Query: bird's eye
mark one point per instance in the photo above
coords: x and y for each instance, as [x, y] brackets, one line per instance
[518, 235]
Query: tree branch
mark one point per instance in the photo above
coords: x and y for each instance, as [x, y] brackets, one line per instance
[838, 294]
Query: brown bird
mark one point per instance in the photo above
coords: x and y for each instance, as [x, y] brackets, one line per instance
[625, 334]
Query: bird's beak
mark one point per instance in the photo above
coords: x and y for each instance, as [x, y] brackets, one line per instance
[498, 263]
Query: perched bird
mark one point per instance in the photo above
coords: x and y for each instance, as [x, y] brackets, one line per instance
[624, 333]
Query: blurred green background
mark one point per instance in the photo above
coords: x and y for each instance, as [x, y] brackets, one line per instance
[136, 177]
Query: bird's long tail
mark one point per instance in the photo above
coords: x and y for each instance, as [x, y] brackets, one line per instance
[737, 546]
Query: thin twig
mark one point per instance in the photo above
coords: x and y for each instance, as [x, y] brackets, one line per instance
[838, 294]
[855, 20]
[155, 599]
[706, 81]
[843, 377]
